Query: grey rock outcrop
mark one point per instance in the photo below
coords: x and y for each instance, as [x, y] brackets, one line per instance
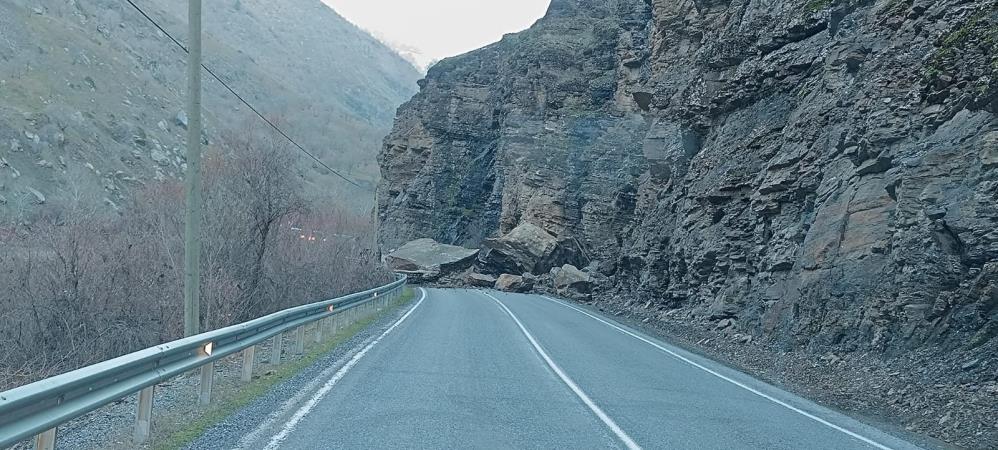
[568, 280]
[528, 248]
[180, 120]
[427, 260]
[512, 283]
[480, 280]
[788, 165]
[37, 197]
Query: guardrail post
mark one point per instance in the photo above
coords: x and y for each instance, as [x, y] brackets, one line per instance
[63, 397]
[249, 359]
[45, 440]
[143, 417]
[300, 340]
[275, 348]
[207, 378]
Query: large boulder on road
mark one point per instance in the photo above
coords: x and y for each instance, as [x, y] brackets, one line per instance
[528, 248]
[479, 280]
[512, 283]
[569, 280]
[427, 260]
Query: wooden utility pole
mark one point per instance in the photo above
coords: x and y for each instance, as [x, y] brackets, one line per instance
[192, 229]
[192, 184]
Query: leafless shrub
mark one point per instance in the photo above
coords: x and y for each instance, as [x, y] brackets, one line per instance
[82, 287]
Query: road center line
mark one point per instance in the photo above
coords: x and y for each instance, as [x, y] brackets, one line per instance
[278, 438]
[568, 381]
[725, 378]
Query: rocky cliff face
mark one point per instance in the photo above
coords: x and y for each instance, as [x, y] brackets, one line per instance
[92, 93]
[824, 172]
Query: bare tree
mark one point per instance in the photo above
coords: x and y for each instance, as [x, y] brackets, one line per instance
[85, 286]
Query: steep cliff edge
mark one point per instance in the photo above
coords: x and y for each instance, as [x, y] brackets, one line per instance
[816, 174]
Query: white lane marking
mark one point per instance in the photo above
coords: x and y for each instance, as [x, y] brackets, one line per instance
[250, 438]
[254, 436]
[568, 381]
[278, 438]
[732, 381]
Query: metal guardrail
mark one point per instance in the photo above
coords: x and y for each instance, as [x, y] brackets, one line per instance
[37, 409]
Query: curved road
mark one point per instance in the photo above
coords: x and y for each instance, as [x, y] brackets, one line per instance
[483, 369]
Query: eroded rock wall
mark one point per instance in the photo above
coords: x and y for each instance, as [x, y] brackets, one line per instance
[825, 172]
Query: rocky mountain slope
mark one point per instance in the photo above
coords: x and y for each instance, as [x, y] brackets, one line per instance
[814, 176]
[93, 93]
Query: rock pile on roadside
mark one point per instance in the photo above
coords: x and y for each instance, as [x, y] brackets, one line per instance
[526, 259]
[429, 260]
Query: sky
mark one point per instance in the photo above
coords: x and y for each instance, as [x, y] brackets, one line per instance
[435, 29]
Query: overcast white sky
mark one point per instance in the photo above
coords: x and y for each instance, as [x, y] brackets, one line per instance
[441, 28]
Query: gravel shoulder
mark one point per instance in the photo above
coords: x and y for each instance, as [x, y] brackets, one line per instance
[177, 420]
[938, 405]
[228, 431]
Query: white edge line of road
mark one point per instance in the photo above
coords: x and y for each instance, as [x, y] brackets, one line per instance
[247, 440]
[288, 427]
[568, 381]
[725, 378]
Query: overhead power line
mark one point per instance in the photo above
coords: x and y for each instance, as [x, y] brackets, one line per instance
[241, 99]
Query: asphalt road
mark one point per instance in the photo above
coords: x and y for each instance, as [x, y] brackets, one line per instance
[484, 369]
